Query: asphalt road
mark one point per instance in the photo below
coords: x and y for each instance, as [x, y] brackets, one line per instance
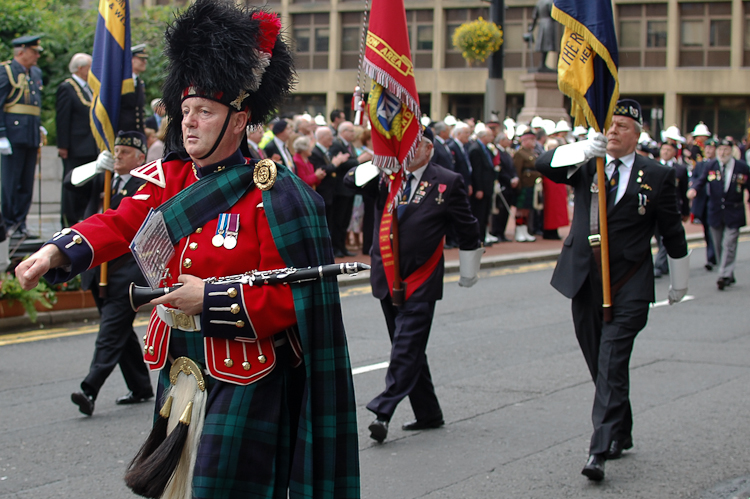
[512, 382]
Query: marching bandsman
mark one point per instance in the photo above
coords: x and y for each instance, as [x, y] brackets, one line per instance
[259, 377]
[20, 119]
[640, 196]
[434, 199]
[727, 179]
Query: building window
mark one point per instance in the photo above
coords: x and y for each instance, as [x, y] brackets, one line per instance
[516, 52]
[351, 39]
[310, 34]
[453, 19]
[705, 33]
[643, 35]
[312, 104]
[419, 23]
[746, 56]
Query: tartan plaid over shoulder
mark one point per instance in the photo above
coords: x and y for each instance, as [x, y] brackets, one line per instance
[326, 458]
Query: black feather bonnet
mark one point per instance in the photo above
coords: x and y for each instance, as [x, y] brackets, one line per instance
[233, 55]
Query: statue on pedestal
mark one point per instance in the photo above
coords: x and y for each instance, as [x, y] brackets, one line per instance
[548, 39]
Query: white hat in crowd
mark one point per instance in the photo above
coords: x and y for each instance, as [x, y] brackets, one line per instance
[701, 130]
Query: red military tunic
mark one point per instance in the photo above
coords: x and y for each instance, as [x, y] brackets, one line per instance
[259, 312]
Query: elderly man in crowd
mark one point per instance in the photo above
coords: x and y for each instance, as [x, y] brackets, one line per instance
[75, 141]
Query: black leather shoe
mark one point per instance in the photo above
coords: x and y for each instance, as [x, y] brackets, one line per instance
[709, 267]
[616, 448]
[349, 253]
[378, 430]
[722, 283]
[84, 402]
[132, 398]
[594, 469]
[425, 424]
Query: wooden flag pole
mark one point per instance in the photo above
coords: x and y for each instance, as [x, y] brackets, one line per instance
[105, 207]
[604, 234]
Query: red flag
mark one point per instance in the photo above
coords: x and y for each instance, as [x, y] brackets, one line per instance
[393, 102]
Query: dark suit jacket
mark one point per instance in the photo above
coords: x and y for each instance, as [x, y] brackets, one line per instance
[132, 114]
[327, 186]
[681, 179]
[422, 227]
[700, 201]
[337, 147]
[462, 166]
[22, 130]
[73, 121]
[629, 232]
[725, 207]
[271, 149]
[483, 173]
[443, 155]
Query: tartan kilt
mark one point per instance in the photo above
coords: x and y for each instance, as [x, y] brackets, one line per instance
[246, 446]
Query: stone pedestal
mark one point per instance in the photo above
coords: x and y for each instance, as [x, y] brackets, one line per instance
[542, 98]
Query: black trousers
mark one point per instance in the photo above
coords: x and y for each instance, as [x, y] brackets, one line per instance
[17, 173]
[500, 219]
[607, 348]
[408, 372]
[481, 209]
[342, 215]
[117, 343]
[73, 201]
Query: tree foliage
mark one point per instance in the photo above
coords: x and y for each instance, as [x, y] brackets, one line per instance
[69, 29]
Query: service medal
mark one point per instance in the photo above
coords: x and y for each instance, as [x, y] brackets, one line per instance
[221, 228]
[217, 240]
[641, 210]
[230, 242]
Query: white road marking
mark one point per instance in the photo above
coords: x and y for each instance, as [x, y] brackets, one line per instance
[372, 367]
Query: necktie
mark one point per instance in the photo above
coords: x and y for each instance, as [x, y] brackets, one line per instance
[614, 180]
[116, 184]
[487, 153]
[405, 198]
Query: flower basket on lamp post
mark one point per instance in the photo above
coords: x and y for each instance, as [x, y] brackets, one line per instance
[477, 40]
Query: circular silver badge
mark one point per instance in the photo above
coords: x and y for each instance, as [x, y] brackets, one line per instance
[230, 242]
[217, 240]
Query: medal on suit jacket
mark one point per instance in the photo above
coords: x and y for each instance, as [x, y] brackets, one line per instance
[423, 185]
[441, 190]
[233, 229]
[642, 201]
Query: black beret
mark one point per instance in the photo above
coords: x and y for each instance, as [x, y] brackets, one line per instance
[132, 139]
[629, 108]
[725, 142]
[427, 132]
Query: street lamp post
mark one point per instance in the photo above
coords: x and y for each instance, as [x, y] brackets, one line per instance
[494, 101]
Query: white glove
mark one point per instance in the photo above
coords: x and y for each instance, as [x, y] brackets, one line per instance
[42, 130]
[391, 171]
[469, 262]
[596, 146]
[5, 146]
[105, 161]
[679, 275]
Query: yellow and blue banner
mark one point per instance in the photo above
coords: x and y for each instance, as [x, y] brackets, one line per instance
[111, 73]
[587, 67]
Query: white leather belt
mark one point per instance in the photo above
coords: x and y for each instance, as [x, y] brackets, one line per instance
[176, 318]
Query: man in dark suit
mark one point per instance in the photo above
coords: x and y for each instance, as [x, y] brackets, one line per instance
[699, 206]
[443, 155]
[116, 342]
[459, 145]
[435, 199]
[483, 179]
[277, 149]
[20, 118]
[727, 180]
[132, 104]
[641, 197]
[343, 199]
[334, 168]
[75, 142]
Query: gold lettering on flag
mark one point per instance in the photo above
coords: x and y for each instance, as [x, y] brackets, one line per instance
[400, 62]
